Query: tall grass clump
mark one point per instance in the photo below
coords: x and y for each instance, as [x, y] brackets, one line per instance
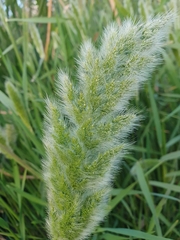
[87, 124]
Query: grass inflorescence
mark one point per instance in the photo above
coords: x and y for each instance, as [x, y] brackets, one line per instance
[144, 202]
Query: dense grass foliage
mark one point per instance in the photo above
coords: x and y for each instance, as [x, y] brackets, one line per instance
[37, 40]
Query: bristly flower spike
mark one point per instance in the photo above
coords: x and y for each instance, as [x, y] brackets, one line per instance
[87, 124]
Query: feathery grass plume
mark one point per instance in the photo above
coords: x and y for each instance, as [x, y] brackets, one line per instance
[174, 6]
[86, 126]
[145, 8]
[18, 104]
[128, 5]
[8, 135]
[2, 136]
[5, 148]
[11, 134]
[37, 40]
[3, 15]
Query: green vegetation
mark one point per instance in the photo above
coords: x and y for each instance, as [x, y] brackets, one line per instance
[145, 199]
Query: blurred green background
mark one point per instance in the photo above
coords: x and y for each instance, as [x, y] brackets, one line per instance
[39, 37]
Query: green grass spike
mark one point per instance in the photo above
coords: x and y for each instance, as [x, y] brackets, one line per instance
[18, 104]
[87, 124]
